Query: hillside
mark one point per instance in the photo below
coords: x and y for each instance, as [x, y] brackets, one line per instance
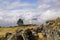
[49, 24]
[53, 23]
[12, 29]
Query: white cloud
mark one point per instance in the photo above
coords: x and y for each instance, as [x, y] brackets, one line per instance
[42, 12]
[12, 16]
[57, 2]
[9, 17]
[14, 4]
[49, 15]
[43, 6]
[1, 18]
[46, 1]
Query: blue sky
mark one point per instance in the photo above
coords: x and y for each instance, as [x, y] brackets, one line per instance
[8, 4]
[41, 10]
[28, 1]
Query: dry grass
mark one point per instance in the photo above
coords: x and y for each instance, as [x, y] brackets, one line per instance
[12, 30]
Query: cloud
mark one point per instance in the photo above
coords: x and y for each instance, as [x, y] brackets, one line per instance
[42, 10]
[49, 15]
[10, 17]
[44, 6]
[57, 2]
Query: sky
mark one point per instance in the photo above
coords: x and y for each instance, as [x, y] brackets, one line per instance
[36, 11]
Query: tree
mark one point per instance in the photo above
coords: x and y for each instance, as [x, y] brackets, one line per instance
[0, 26]
[20, 22]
